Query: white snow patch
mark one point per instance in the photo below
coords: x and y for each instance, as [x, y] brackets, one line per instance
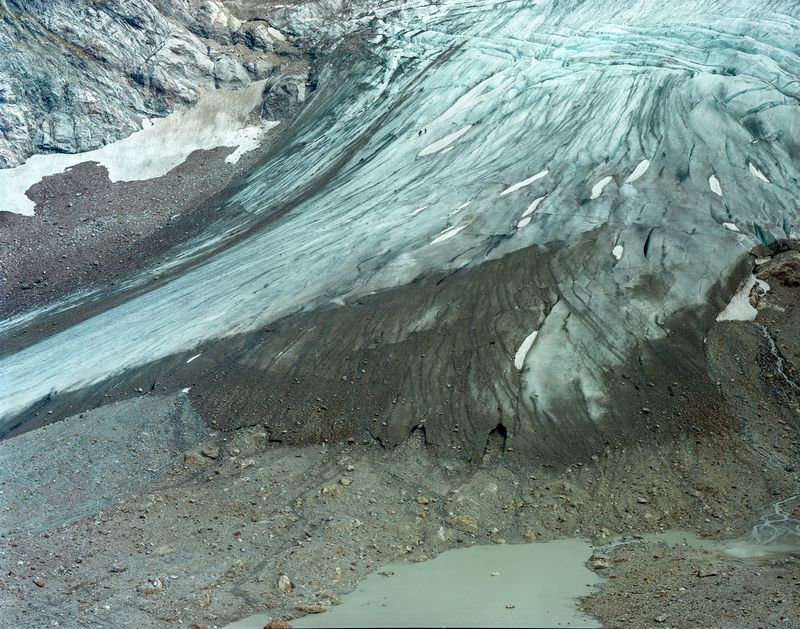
[739, 307]
[419, 209]
[186, 390]
[444, 142]
[730, 226]
[219, 118]
[532, 207]
[713, 183]
[524, 222]
[522, 352]
[447, 233]
[193, 357]
[617, 252]
[756, 172]
[640, 170]
[276, 33]
[525, 182]
[597, 189]
[460, 207]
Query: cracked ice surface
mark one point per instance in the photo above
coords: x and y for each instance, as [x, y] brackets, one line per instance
[590, 89]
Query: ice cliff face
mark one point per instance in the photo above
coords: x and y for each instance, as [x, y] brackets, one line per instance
[581, 178]
[77, 75]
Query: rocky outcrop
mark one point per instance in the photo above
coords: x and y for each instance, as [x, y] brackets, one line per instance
[76, 75]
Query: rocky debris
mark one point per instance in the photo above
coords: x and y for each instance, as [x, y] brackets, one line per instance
[311, 609]
[278, 624]
[783, 267]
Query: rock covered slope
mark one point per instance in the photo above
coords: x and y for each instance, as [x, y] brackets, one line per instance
[77, 75]
[499, 218]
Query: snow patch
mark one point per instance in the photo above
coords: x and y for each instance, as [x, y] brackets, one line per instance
[460, 207]
[757, 173]
[597, 189]
[617, 252]
[731, 226]
[447, 233]
[640, 170]
[525, 182]
[522, 352]
[713, 183]
[532, 207]
[444, 142]
[523, 222]
[276, 33]
[739, 307]
[219, 118]
[419, 209]
[193, 357]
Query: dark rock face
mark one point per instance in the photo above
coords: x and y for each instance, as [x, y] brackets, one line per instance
[75, 75]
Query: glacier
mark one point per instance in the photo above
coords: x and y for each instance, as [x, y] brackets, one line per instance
[599, 123]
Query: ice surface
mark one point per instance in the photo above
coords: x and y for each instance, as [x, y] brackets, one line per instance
[444, 142]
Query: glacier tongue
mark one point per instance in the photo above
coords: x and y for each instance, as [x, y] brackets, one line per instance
[483, 96]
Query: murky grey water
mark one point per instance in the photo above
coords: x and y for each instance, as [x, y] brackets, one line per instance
[528, 585]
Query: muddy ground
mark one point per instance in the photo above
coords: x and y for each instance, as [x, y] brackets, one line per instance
[143, 513]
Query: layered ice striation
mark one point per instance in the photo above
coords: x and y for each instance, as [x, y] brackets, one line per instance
[651, 124]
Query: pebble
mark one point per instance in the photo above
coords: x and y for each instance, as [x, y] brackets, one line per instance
[192, 458]
[422, 500]
[463, 521]
[329, 490]
[311, 609]
[212, 452]
[284, 584]
[39, 582]
[278, 624]
[345, 481]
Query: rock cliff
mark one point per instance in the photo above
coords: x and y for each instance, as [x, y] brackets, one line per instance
[77, 75]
